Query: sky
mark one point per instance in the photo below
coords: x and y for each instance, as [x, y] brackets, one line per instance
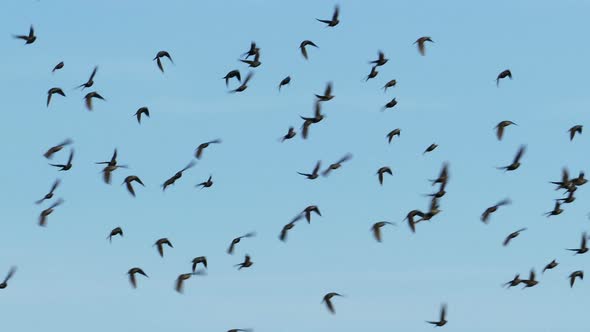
[70, 278]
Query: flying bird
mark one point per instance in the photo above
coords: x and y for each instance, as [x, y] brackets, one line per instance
[202, 146]
[327, 93]
[53, 91]
[376, 229]
[531, 281]
[556, 210]
[9, 276]
[116, 231]
[334, 21]
[141, 111]
[179, 286]
[396, 132]
[290, 134]
[67, 166]
[45, 213]
[90, 81]
[516, 162]
[49, 195]
[304, 44]
[160, 244]
[252, 51]
[54, 149]
[246, 263]
[177, 176]
[430, 148]
[58, 66]
[372, 74]
[421, 41]
[158, 58]
[308, 210]
[253, 63]
[288, 227]
[381, 171]
[502, 75]
[315, 173]
[553, 264]
[244, 84]
[500, 128]
[574, 275]
[512, 236]
[30, 38]
[132, 273]
[337, 164]
[514, 282]
[284, 82]
[199, 260]
[88, 99]
[231, 74]
[390, 104]
[381, 60]
[128, 183]
[577, 129]
[583, 248]
[206, 184]
[485, 216]
[237, 240]
[389, 84]
[443, 317]
[328, 300]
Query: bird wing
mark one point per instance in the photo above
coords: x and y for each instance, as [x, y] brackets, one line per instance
[329, 305]
[133, 280]
[336, 13]
[377, 232]
[303, 51]
[130, 188]
[519, 153]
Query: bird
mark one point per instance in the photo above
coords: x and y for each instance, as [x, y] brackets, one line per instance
[337, 164]
[303, 49]
[328, 300]
[486, 214]
[132, 273]
[116, 231]
[284, 82]
[59, 66]
[569, 199]
[54, 149]
[142, 110]
[421, 41]
[288, 227]
[580, 180]
[206, 184]
[199, 260]
[9, 276]
[500, 128]
[308, 210]
[556, 210]
[531, 281]
[396, 132]
[381, 60]
[574, 275]
[158, 58]
[128, 183]
[237, 240]
[177, 176]
[49, 195]
[410, 218]
[381, 171]
[516, 162]
[512, 236]
[376, 229]
[253, 63]
[240, 330]
[514, 282]
[202, 146]
[443, 176]
[315, 173]
[45, 213]
[290, 134]
[443, 317]
[179, 286]
[88, 99]
[160, 244]
[372, 74]
[231, 74]
[390, 104]
[334, 21]
[30, 38]
[252, 51]
[246, 263]
[68, 165]
[565, 182]
[53, 91]
[430, 148]
[389, 84]
[577, 129]
[327, 93]
[583, 248]
[553, 264]
[111, 166]
[90, 81]
[502, 75]
[244, 84]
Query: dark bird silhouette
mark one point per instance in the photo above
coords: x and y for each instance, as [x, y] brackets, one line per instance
[110, 167]
[372, 74]
[556, 210]
[45, 213]
[308, 210]
[240, 330]
[516, 162]
[128, 183]
[553, 264]
[49, 195]
[410, 218]
[54, 149]
[443, 176]
[421, 44]
[231, 74]
[382, 171]
[284, 82]
[90, 81]
[381, 60]
[337, 164]
[574, 275]
[334, 21]
[30, 38]
[142, 111]
[303, 45]
[512, 236]
[199, 260]
[317, 117]
[253, 63]
[53, 91]
[246, 263]
[583, 248]
[376, 229]
[68, 165]
[580, 180]
[288, 227]
[390, 104]
[9, 276]
[315, 173]
[116, 231]
[252, 51]
[179, 285]
[88, 99]
[514, 282]
[177, 176]
[290, 134]
[244, 84]
[569, 198]
[500, 128]
[327, 93]
[430, 148]
[565, 182]
[531, 281]
[389, 84]
[132, 273]
[443, 317]
[577, 129]
[396, 132]
[160, 244]
[159, 57]
[502, 75]
[58, 66]
[237, 240]
[203, 146]
[328, 300]
[206, 184]
[485, 216]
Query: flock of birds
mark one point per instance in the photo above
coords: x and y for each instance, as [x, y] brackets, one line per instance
[252, 57]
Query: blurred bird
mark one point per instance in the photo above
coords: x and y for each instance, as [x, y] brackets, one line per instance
[421, 41]
[9, 276]
[500, 128]
[390, 104]
[565, 182]
[443, 317]
[237, 240]
[30, 38]
[443, 176]
[308, 210]
[68, 165]
[574, 275]
[381, 60]
[47, 212]
[284, 82]
[288, 227]
[132, 273]
[410, 218]
[244, 84]
[382, 171]
[177, 176]
[199, 260]
[90, 81]
[252, 51]
[580, 180]
[128, 183]
[337, 164]
[240, 330]
[58, 66]
[246, 263]
[290, 134]
[376, 229]
[49, 195]
[328, 300]
[88, 99]
[158, 58]
[516, 162]
[502, 75]
[430, 148]
[583, 248]
[334, 21]
[116, 231]
[206, 184]
[179, 286]
[556, 210]
[531, 281]
[53, 91]
[142, 110]
[372, 74]
[203, 146]
[514, 282]
[396, 132]
[231, 74]
[54, 149]
[577, 129]
[512, 236]
[488, 212]
[327, 93]
[253, 63]
[160, 244]
[389, 84]
[553, 264]
[303, 45]
[315, 173]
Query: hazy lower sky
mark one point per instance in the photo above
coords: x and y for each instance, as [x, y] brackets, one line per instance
[70, 278]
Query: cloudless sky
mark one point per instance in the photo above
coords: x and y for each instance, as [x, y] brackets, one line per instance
[70, 278]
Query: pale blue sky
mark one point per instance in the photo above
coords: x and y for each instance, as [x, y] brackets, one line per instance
[71, 279]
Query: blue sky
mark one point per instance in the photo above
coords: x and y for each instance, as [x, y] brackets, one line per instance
[69, 276]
